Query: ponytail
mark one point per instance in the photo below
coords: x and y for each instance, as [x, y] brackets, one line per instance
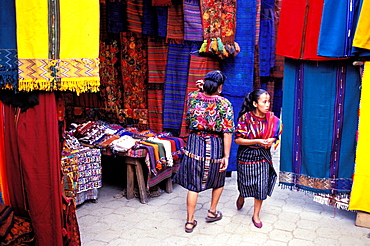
[249, 99]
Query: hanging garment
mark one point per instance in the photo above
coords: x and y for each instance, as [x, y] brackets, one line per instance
[34, 175]
[338, 25]
[299, 28]
[175, 24]
[49, 39]
[134, 10]
[4, 190]
[157, 61]
[320, 115]
[193, 30]
[116, 17]
[198, 68]
[8, 46]
[362, 36]
[360, 199]
[175, 84]
[238, 84]
[134, 69]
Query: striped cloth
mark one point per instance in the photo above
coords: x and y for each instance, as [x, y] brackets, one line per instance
[239, 84]
[201, 174]
[326, 167]
[116, 17]
[175, 23]
[161, 2]
[155, 107]
[134, 11]
[198, 68]
[8, 45]
[193, 30]
[176, 83]
[157, 61]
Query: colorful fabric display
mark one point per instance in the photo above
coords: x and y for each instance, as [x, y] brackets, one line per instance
[116, 17]
[134, 10]
[49, 58]
[320, 125]
[8, 46]
[193, 30]
[175, 24]
[338, 25]
[155, 106]
[360, 199]
[299, 28]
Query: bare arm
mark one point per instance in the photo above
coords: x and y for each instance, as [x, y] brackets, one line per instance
[227, 147]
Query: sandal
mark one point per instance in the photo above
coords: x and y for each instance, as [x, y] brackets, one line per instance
[189, 230]
[217, 216]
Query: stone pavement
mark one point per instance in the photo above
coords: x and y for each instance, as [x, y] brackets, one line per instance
[289, 218]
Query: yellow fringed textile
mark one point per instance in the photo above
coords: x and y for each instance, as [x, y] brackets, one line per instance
[77, 67]
[362, 35]
[360, 196]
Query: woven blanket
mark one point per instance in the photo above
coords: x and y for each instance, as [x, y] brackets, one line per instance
[360, 199]
[116, 17]
[175, 23]
[319, 138]
[155, 107]
[157, 61]
[150, 24]
[198, 68]
[8, 45]
[162, 16]
[49, 41]
[299, 28]
[175, 84]
[362, 36]
[266, 42]
[111, 86]
[219, 19]
[238, 84]
[193, 30]
[161, 2]
[135, 15]
[134, 69]
[338, 25]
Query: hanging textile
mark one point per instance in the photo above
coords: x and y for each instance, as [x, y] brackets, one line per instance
[362, 36]
[134, 70]
[198, 68]
[57, 61]
[360, 199]
[4, 190]
[111, 87]
[157, 61]
[155, 107]
[299, 28]
[34, 175]
[175, 84]
[192, 21]
[162, 16]
[338, 25]
[8, 46]
[175, 23]
[134, 10]
[116, 17]
[319, 139]
[150, 24]
[266, 42]
[103, 20]
[161, 2]
[219, 19]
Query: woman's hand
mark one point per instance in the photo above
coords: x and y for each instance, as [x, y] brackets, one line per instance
[224, 164]
[267, 143]
[199, 84]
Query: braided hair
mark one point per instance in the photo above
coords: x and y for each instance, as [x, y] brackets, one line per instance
[249, 99]
[212, 81]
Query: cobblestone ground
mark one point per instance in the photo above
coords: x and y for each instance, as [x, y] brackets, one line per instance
[289, 218]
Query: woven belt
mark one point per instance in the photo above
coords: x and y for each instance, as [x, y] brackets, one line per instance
[201, 158]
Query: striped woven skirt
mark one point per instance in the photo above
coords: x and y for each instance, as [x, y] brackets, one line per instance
[256, 176]
[199, 169]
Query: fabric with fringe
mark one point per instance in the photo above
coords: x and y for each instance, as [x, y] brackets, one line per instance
[175, 24]
[320, 123]
[360, 199]
[56, 61]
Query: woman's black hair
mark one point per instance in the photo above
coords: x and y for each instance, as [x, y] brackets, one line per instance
[249, 99]
[212, 81]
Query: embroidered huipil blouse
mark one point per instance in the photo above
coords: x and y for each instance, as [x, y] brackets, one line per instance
[209, 114]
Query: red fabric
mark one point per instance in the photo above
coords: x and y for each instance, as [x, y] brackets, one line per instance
[299, 28]
[3, 175]
[34, 152]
